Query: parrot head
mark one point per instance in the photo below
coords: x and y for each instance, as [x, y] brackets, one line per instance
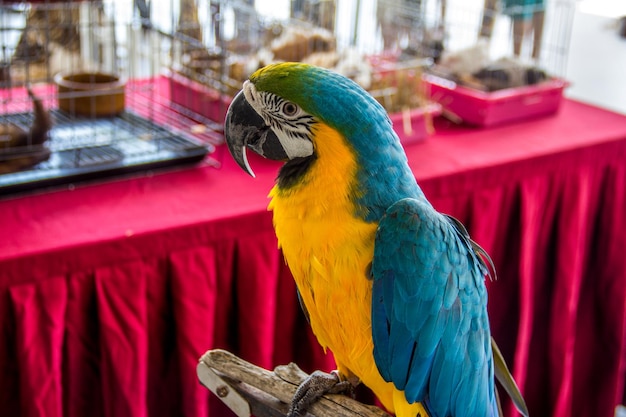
[275, 113]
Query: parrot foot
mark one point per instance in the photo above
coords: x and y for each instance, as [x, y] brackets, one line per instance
[314, 387]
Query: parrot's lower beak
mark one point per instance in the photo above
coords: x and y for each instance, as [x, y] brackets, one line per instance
[244, 128]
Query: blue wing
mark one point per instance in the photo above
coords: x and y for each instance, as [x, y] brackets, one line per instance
[429, 312]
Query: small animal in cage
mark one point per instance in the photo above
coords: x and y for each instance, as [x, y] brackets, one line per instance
[506, 73]
[21, 148]
[473, 68]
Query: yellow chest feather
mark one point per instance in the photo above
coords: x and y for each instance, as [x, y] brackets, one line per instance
[327, 248]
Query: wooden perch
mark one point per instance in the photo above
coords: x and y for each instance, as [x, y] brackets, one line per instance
[250, 390]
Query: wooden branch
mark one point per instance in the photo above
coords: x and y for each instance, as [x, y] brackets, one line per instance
[250, 390]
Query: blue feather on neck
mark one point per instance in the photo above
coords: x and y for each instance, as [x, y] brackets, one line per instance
[384, 175]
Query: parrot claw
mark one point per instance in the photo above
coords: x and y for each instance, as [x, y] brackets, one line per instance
[314, 387]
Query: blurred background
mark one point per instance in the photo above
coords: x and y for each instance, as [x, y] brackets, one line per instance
[597, 55]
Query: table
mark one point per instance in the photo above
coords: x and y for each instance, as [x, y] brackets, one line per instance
[110, 292]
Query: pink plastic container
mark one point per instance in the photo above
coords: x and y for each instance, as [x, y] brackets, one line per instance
[504, 106]
[198, 98]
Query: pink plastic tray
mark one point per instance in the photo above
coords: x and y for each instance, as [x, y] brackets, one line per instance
[498, 107]
[198, 98]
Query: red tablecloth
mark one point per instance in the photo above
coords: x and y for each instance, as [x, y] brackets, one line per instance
[110, 292]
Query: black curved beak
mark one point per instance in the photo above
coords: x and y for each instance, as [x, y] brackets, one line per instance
[244, 128]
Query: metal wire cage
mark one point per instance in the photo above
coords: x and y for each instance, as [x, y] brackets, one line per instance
[83, 95]
[494, 61]
[530, 32]
[212, 62]
[211, 66]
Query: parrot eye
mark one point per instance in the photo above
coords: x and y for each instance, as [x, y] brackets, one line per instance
[290, 109]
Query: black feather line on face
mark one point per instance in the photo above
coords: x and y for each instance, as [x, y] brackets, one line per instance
[296, 127]
[292, 172]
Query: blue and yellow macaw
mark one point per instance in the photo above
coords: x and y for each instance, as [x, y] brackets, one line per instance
[392, 287]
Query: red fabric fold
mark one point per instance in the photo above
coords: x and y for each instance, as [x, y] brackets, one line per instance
[258, 269]
[573, 223]
[599, 365]
[194, 294]
[39, 310]
[164, 386]
[122, 319]
[81, 371]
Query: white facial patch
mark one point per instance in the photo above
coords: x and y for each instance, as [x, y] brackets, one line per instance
[293, 139]
[294, 147]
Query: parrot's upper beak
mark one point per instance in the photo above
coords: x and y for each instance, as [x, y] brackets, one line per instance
[245, 128]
